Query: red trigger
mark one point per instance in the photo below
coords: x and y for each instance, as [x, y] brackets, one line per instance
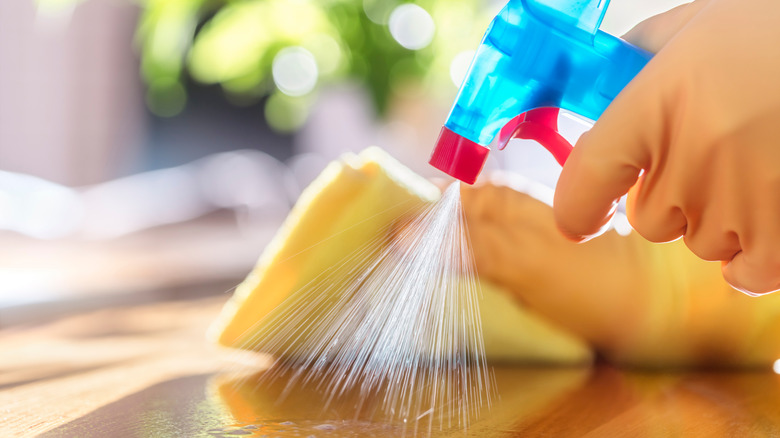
[541, 125]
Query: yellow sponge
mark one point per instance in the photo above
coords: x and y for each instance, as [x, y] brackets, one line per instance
[354, 201]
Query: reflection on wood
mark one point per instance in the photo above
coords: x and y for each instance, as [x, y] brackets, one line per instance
[521, 392]
[150, 374]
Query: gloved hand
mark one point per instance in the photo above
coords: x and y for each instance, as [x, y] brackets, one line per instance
[694, 140]
[634, 301]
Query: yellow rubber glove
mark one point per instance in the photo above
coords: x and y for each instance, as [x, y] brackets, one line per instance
[696, 139]
[359, 199]
[636, 302]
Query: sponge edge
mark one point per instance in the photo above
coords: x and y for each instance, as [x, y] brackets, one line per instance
[514, 334]
[353, 201]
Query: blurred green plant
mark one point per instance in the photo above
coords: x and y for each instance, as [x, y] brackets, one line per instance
[287, 49]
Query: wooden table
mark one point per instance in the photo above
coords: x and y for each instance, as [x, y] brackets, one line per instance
[145, 370]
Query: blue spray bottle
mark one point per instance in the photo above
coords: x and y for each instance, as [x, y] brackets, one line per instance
[537, 56]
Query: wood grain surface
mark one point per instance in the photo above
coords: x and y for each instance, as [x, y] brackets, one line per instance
[145, 370]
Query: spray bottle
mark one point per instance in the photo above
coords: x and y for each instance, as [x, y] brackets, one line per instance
[537, 56]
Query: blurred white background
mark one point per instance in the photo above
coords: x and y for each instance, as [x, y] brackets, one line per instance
[105, 192]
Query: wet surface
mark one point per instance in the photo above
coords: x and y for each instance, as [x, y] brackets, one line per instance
[532, 402]
[224, 406]
[166, 382]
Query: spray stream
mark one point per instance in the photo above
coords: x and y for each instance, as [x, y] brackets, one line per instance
[398, 322]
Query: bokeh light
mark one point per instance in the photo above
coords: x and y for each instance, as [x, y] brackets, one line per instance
[295, 71]
[256, 48]
[412, 26]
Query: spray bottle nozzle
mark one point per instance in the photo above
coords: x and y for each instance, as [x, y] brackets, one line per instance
[458, 156]
[536, 56]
